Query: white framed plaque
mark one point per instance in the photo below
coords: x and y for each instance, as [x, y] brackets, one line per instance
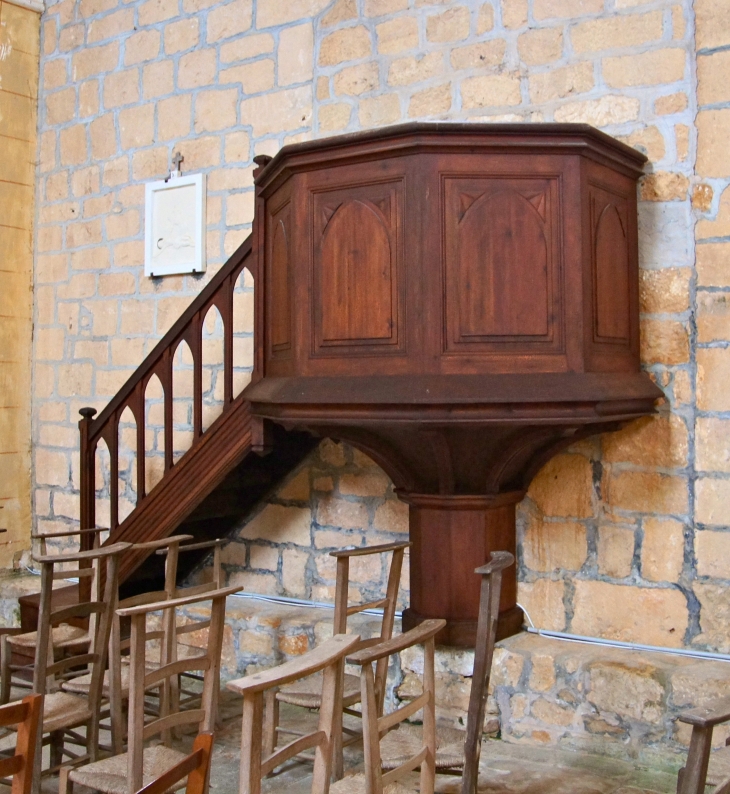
[174, 234]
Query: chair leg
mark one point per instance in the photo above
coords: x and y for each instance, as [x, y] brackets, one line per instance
[694, 773]
[338, 761]
[65, 784]
[271, 721]
[56, 748]
[5, 672]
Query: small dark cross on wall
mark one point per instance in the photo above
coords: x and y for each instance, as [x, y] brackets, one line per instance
[176, 160]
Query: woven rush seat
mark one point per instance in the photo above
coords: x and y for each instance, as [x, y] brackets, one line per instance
[110, 774]
[62, 710]
[81, 684]
[61, 636]
[357, 784]
[397, 746]
[308, 692]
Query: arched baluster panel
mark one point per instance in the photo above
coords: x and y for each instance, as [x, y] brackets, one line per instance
[182, 400]
[212, 365]
[243, 319]
[154, 431]
[127, 464]
[102, 483]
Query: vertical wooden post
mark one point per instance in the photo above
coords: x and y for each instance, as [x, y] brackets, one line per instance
[87, 468]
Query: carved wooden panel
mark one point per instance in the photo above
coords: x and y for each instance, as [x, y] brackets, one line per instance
[279, 280]
[357, 238]
[610, 266]
[502, 263]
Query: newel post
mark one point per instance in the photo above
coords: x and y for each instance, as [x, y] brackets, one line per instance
[88, 487]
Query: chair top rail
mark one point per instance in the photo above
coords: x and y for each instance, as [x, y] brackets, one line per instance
[68, 534]
[76, 573]
[173, 603]
[362, 551]
[189, 717]
[13, 713]
[171, 337]
[353, 610]
[142, 598]
[424, 631]
[163, 543]
[498, 562]
[79, 556]
[307, 664]
[713, 714]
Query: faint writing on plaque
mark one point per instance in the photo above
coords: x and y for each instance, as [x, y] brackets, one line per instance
[175, 226]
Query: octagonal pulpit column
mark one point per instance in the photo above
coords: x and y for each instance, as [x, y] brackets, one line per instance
[459, 302]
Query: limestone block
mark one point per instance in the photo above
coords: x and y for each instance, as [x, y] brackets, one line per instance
[397, 35]
[296, 54]
[548, 9]
[247, 47]
[649, 68]
[348, 44]
[94, 60]
[627, 690]
[74, 149]
[664, 291]
[561, 83]
[270, 13]
[713, 158]
[713, 370]
[181, 35]
[664, 341]
[154, 11]
[711, 550]
[615, 551]
[356, 80]
[542, 675]
[712, 24]
[662, 550]
[552, 713]
[450, 25]
[332, 511]
[196, 69]
[711, 88]
[485, 20]
[660, 440]
[564, 487]
[491, 91]
[609, 33]
[714, 616]
[712, 317]
[514, 13]
[405, 71]
[334, 117]
[610, 109]
[664, 186]
[372, 483]
[277, 524]
[652, 616]
[121, 88]
[278, 111]
[342, 11]
[391, 516]
[229, 20]
[506, 669]
[540, 46]
[482, 55]
[543, 600]
[157, 79]
[262, 583]
[216, 110]
[550, 546]
[293, 572]
[142, 46]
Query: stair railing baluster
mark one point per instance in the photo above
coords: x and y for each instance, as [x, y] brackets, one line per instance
[225, 306]
[137, 404]
[112, 441]
[87, 461]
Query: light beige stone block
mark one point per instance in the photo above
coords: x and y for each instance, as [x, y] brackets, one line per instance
[450, 25]
[662, 550]
[551, 546]
[296, 55]
[564, 487]
[278, 111]
[431, 101]
[231, 19]
[348, 44]
[610, 109]
[561, 83]
[397, 35]
[540, 46]
[615, 551]
[491, 91]
[482, 55]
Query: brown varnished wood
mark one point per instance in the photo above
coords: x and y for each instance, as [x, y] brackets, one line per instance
[464, 306]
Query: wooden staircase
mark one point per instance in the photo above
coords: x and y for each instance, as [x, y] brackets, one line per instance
[217, 480]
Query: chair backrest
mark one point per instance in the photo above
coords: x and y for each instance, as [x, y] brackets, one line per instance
[88, 539]
[171, 563]
[195, 766]
[141, 679]
[491, 589]
[376, 726]
[104, 563]
[388, 604]
[329, 657]
[26, 714]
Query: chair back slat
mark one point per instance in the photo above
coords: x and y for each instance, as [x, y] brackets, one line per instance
[10, 766]
[300, 745]
[176, 668]
[193, 716]
[77, 611]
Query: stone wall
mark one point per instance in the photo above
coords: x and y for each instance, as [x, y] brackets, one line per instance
[632, 519]
[19, 43]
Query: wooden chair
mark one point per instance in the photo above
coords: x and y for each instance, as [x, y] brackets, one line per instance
[453, 754]
[703, 767]
[306, 693]
[63, 711]
[195, 766]
[378, 726]
[128, 772]
[24, 716]
[327, 659]
[65, 636]
[115, 686]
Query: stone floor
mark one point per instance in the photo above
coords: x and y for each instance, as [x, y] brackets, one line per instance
[505, 768]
